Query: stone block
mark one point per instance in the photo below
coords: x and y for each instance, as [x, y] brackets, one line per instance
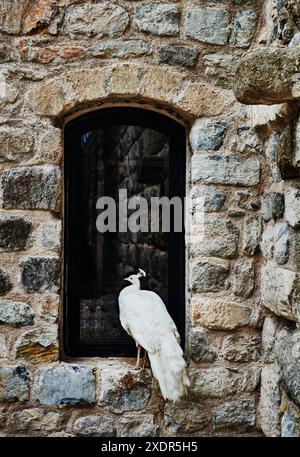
[241, 348]
[270, 401]
[31, 188]
[244, 27]
[235, 413]
[137, 425]
[243, 279]
[37, 419]
[209, 276]
[280, 289]
[201, 350]
[14, 232]
[123, 49]
[15, 313]
[39, 274]
[217, 237]
[96, 19]
[157, 18]
[5, 282]
[208, 25]
[229, 170]
[14, 384]
[177, 55]
[123, 390]
[292, 207]
[100, 426]
[220, 315]
[38, 346]
[206, 135]
[16, 144]
[251, 235]
[272, 206]
[64, 385]
[185, 416]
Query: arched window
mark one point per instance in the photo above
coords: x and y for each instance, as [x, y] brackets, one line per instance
[110, 153]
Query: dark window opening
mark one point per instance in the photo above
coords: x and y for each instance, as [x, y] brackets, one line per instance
[144, 153]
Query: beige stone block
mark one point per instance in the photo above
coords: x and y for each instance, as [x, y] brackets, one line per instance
[220, 315]
[200, 100]
[162, 84]
[50, 99]
[125, 79]
[88, 84]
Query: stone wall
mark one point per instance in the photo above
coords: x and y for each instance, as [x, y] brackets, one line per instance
[60, 58]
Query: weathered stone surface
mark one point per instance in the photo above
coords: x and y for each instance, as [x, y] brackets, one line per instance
[270, 401]
[177, 55]
[231, 170]
[280, 291]
[11, 14]
[292, 207]
[3, 346]
[49, 147]
[244, 27]
[221, 67]
[15, 313]
[206, 135]
[7, 53]
[209, 25]
[248, 140]
[137, 425]
[201, 350]
[209, 276]
[287, 348]
[290, 423]
[123, 49]
[272, 206]
[234, 414]
[100, 426]
[39, 274]
[50, 235]
[220, 315]
[14, 384]
[275, 243]
[38, 346]
[5, 282]
[16, 144]
[64, 385]
[38, 14]
[222, 382]
[251, 235]
[157, 18]
[123, 390]
[241, 348]
[31, 188]
[207, 199]
[217, 237]
[36, 419]
[268, 337]
[243, 279]
[100, 19]
[14, 232]
[266, 76]
[185, 416]
[200, 100]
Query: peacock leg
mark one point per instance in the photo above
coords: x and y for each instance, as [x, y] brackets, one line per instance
[138, 357]
[144, 362]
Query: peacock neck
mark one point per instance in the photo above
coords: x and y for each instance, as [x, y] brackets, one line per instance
[131, 288]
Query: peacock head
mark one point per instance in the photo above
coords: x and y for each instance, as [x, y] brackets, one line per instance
[135, 278]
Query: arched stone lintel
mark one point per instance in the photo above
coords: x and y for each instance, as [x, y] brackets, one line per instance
[77, 89]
